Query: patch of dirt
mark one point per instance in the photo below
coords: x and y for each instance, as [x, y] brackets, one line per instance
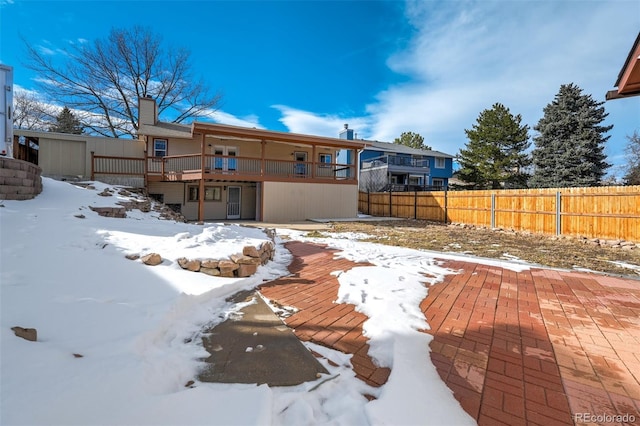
[559, 252]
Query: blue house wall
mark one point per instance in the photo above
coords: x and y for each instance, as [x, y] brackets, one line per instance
[345, 157]
[434, 173]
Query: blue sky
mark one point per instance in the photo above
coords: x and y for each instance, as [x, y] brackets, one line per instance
[384, 67]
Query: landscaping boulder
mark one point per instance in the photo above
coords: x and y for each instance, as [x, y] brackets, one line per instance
[242, 264]
[227, 267]
[194, 265]
[210, 263]
[246, 270]
[214, 272]
[250, 251]
[151, 259]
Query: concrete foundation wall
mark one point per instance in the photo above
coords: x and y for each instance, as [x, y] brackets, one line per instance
[289, 201]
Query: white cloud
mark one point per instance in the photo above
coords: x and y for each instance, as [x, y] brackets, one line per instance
[330, 125]
[466, 56]
[46, 50]
[230, 119]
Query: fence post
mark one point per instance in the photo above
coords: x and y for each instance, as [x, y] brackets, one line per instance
[391, 202]
[493, 210]
[558, 213]
[446, 213]
[415, 204]
[368, 202]
[93, 170]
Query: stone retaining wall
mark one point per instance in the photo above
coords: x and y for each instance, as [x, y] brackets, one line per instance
[19, 180]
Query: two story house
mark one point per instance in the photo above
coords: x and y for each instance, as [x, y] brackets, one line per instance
[391, 167]
[214, 171]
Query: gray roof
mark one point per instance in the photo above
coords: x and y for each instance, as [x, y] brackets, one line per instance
[402, 149]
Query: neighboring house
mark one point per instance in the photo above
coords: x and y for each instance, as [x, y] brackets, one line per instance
[628, 82]
[387, 166]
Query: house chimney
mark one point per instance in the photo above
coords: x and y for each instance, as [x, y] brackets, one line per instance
[346, 133]
[147, 111]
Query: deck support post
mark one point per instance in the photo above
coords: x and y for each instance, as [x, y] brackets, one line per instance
[201, 187]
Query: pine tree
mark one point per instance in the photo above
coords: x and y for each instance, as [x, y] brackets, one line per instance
[413, 140]
[495, 154]
[632, 175]
[66, 122]
[569, 150]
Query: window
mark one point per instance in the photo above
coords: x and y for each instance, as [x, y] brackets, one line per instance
[439, 183]
[218, 151]
[159, 147]
[232, 163]
[158, 197]
[211, 193]
[439, 163]
[325, 160]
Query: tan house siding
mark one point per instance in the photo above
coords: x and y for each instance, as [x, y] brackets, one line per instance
[172, 191]
[287, 201]
[253, 149]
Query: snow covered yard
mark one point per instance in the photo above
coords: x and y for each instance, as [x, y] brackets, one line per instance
[118, 340]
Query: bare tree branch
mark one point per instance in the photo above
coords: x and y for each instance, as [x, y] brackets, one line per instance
[105, 79]
[31, 113]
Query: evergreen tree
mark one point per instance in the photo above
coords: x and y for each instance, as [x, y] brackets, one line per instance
[413, 140]
[66, 122]
[569, 150]
[495, 154]
[632, 175]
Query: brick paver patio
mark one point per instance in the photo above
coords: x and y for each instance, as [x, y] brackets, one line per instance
[538, 347]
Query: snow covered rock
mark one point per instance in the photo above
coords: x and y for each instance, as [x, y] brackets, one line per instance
[151, 259]
[30, 334]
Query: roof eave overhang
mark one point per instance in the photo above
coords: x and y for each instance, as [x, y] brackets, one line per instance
[224, 130]
[628, 82]
[614, 94]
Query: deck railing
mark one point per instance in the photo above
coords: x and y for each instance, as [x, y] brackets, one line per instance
[395, 160]
[181, 167]
[125, 166]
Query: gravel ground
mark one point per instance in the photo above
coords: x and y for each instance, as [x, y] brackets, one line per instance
[562, 252]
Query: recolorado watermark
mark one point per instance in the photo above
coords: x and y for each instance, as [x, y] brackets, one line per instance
[604, 418]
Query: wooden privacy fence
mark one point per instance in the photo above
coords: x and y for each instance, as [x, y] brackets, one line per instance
[611, 212]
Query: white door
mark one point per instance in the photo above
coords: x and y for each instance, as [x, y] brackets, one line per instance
[222, 160]
[301, 166]
[233, 202]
